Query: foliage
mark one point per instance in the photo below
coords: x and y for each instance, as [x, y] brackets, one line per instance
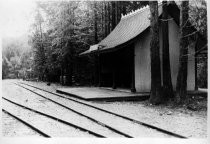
[16, 56]
[202, 71]
[198, 16]
[62, 30]
[70, 27]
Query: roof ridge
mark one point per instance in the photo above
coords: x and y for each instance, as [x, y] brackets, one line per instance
[137, 11]
[134, 12]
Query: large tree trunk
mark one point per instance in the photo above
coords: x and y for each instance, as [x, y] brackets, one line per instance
[118, 11]
[109, 18]
[155, 95]
[113, 14]
[106, 18]
[102, 20]
[95, 24]
[181, 85]
[123, 7]
[167, 84]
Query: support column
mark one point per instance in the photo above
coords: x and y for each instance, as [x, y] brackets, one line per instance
[61, 75]
[133, 88]
[195, 56]
[99, 71]
[114, 71]
[96, 81]
[196, 79]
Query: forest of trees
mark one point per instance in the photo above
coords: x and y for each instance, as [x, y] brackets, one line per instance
[16, 57]
[64, 29]
[159, 92]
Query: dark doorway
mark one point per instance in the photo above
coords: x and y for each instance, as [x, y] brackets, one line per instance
[119, 61]
[123, 68]
[106, 61]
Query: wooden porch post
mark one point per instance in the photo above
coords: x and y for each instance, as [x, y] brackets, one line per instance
[62, 73]
[195, 56]
[114, 72]
[133, 89]
[99, 70]
[96, 81]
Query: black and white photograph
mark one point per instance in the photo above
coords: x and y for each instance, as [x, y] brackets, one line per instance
[104, 69]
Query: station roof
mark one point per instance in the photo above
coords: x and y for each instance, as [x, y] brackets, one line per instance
[92, 48]
[130, 26]
[133, 24]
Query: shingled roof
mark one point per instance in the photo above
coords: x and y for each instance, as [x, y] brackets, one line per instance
[133, 24]
[130, 26]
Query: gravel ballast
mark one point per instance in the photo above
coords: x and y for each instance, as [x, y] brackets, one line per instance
[178, 120]
[33, 101]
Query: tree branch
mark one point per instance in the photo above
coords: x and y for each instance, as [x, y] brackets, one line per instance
[190, 34]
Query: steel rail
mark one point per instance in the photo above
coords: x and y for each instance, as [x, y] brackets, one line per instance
[90, 118]
[106, 111]
[27, 124]
[54, 118]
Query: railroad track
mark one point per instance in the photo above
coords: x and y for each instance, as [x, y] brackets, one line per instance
[27, 124]
[45, 115]
[110, 128]
[109, 131]
[171, 134]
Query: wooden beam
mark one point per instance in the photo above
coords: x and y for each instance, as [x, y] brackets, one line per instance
[114, 69]
[99, 71]
[195, 57]
[133, 88]
[96, 81]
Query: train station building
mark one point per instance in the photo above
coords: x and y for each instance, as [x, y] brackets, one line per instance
[124, 55]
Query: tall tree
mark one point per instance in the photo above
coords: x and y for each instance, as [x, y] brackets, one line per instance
[118, 11]
[113, 14]
[167, 84]
[95, 24]
[38, 45]
[109, 18]
[102, 19]
[155, 95]
[123, 7]
[106, 18]
[181, 85]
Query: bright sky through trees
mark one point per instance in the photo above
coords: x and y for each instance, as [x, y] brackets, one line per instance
[16, 17]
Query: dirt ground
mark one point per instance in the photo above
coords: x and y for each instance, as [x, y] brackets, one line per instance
[13, 128]
[187, 120]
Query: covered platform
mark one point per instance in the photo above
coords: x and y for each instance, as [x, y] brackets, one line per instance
[109, 94]
[102, 94]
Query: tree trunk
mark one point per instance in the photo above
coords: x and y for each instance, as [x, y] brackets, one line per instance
[109, 18]
[181, 85]
[167, 84]
[155, 95]
[102, 20]
[113, 15]
[123, 7]
[105, 19]
[118, 11]
[95, 25]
